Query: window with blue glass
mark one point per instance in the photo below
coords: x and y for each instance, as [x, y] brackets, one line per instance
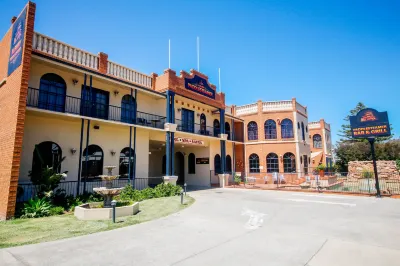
[187, 120]
[228, 130]
[270, 129]
[217, 164]
[317, 141]
[287, 129]
[228, 164]
[252, 131]
[203, 125]
[52, 92]
[254, 163]
[289, 163]
[216, 127]
[128, 109]
[272, 163]
[95, 102]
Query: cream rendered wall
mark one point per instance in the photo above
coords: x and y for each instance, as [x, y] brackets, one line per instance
[146, 102]
[155, 163]
[66, 133]
[303, 149]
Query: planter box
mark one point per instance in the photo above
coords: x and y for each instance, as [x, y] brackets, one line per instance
[85, 212]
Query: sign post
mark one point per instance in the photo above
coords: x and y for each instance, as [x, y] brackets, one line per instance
[378, 190]
[369, 124]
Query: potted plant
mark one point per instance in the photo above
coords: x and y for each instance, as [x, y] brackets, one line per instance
[321, 170]
[237, 179]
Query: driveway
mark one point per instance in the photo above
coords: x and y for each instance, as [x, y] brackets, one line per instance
[241, 227]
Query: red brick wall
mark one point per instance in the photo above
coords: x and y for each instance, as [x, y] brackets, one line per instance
[12, 108]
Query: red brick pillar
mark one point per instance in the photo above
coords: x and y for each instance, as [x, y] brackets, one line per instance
[103, 63]
[13, 95]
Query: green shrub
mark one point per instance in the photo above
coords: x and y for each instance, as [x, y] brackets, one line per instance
[367, 173]
[37, 207]
[56, 210]
[161, 190]
[237, 179]
[398, 164]
[73, 202]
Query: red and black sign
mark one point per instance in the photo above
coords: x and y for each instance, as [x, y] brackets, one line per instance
[370, 123]
[200, 86]
[202, 160]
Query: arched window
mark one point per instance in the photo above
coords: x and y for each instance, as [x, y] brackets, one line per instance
[287, 129]
[192, 163]
[303, 134]
[228, 130]
[252, 131]
[228, 164]
[272, 163]
[254, 163]
[289, 162]
[203, 124]
[128, 109]
[270, 129]
[217, 164]
[124, 162]
[94, 162]
[46, 154]
[216, 127]
[52, 92]
[317, 141]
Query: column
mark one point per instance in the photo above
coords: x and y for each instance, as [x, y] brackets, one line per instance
[222, 141]
[168, 137]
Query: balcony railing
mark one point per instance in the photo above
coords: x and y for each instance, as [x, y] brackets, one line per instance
[197, 129]
[67, 104]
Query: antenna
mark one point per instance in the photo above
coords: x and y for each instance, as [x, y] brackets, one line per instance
[198, 54]
[219, 80]
[169, 53]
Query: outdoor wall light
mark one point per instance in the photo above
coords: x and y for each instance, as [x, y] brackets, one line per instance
[73, 151]
[179, 109]
[281, 157]
[112, 152]
[198, 115]
[116, 93]
[75, 81]
[96, 127]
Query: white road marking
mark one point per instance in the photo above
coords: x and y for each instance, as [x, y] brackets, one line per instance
[324, 202]
[319, 196]
[255, 220]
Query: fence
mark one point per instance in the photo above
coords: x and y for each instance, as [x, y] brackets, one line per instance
[27, 190]
[329, 182]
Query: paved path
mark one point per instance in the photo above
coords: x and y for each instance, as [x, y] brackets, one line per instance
[241, 227]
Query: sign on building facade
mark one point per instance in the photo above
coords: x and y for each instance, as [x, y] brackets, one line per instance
[17, 43]
[199, 85]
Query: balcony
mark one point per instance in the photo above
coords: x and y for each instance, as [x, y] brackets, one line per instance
[66, 104]
[203, 130]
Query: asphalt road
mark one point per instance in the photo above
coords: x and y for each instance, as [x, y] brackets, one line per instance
[241, 227]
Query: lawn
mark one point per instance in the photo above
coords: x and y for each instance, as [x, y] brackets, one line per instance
[28, 231]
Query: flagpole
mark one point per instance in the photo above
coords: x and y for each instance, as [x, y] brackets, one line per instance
[198, 54]
[169, 53]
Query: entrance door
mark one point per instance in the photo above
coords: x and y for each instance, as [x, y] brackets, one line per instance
[305, 160]
[180, 168]
[187, 120]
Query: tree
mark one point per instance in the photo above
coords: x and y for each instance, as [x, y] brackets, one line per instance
[345, 132]
[361, 151]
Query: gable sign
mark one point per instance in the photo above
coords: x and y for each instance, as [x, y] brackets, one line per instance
[370, 123]
[17, 43]
[199, 85]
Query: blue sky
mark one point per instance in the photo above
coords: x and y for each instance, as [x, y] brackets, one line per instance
[328, 54]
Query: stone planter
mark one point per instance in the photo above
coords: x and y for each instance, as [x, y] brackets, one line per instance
[88, 211]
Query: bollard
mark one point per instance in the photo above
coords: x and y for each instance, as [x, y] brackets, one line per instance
[113, 204]
[184, 186]
[181, 196]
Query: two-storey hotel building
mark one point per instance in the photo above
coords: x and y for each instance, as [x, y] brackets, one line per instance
[77, 111]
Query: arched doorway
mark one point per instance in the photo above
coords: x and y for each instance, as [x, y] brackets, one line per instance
[180, 168]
